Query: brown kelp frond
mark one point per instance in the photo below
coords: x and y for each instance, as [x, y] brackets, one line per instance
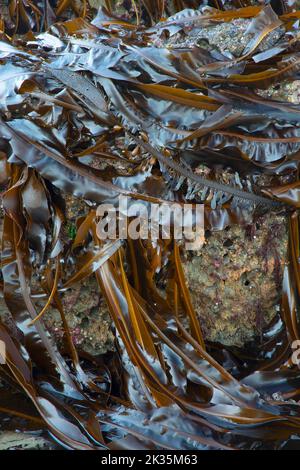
[144, 103]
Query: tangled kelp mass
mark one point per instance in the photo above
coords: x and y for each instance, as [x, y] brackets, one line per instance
[150, 108]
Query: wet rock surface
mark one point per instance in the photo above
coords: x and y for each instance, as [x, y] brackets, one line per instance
[10, 440]
[287, 90]
[87, 317]
[229, 38]
[84, 307]
[235, 280]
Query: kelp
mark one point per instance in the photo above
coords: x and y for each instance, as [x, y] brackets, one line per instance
[26, 16]
[96, 109]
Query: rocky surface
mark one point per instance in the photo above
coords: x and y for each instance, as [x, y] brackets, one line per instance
[287, 90]
[10, 440]
[96, 3]
[87, 316]
[235, 280]
[84, 307]
[229, 38]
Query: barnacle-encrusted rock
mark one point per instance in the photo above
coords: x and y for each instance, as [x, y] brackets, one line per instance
[87, 316]
[235, 280]
[84, 307]
[10, 440]
[227, 37]
[287, 90]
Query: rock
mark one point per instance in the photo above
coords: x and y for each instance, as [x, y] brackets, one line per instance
[10, 440]
[235, 280]
[226, 37]
[97, 3]
[287, 90]
[84, 307]
[87, 316]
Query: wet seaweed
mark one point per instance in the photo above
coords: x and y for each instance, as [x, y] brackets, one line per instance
[101, 106]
